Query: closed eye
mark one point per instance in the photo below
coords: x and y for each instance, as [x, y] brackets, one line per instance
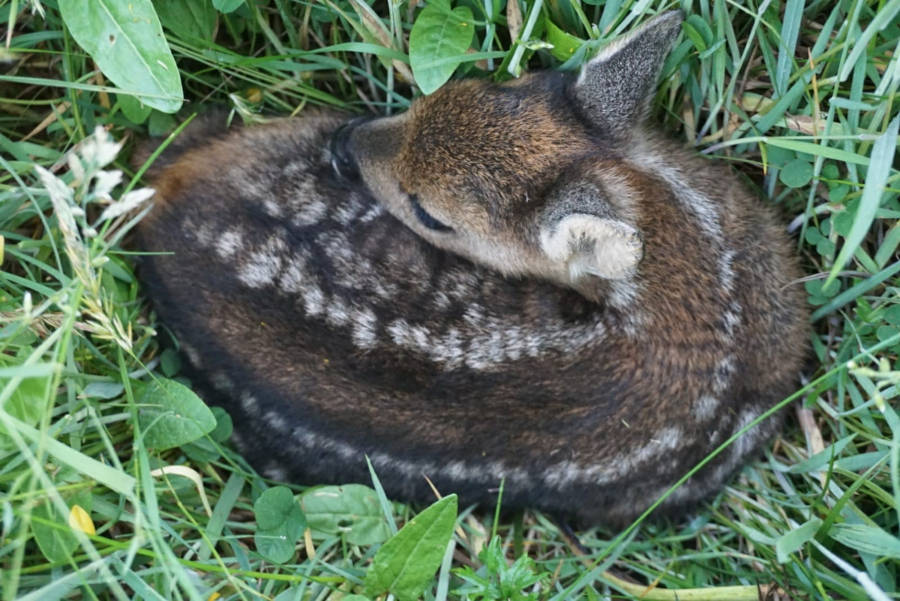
[425, 217]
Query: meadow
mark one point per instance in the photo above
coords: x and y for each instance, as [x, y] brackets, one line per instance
[116, 479]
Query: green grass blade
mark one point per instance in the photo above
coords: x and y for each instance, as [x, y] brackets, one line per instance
[793, 13]
[102, 473]
[876, 178]
[882, 19]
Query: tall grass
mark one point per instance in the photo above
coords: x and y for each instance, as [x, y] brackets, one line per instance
[800, 97]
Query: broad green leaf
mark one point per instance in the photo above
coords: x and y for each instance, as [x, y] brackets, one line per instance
[126, 41]
[133, 109]
[564, 44]
[892, 313]
[779, 157]
[351, 510]
[171, 414]
[28, 402]
[406, 563]
[103, 390]
[277, 506]
[796, 173]
[280, 524]
[224, 425]
[227, 6]
[438, 42]
[867, 539]
[204, 449]
[190, 19]
[160, 124]
[169, 362]
[274, 545]
[51, 529]
[876, 179]
[789, 542]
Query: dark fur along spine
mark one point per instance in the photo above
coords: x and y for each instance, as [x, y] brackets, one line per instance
[515, 282]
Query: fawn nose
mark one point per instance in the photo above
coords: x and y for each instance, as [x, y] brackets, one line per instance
[342, 161]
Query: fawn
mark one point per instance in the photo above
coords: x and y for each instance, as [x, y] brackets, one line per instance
[514, 282]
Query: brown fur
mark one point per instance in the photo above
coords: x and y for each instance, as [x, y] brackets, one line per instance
[335, 316]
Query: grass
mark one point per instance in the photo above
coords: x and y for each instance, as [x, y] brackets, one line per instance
[800, 97]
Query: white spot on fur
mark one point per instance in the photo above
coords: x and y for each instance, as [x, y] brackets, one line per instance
[364, 322]
[272, 208]
[311, 212]
[374, 210]
[722, 374]
[229, 243]
[705, 407]
[263, 264]
[338, 247]
[347, 211]
[624, 295]
[337, 313]
[441, 301]
[249, 403]
[450, 349]
[731, 319]
[488, 341]
[313, 300]
[747, 442]
[649, 160]
[741, 447]
[276, 421]
[569, 472]
[192, 354]
[274, 471]
[204, 234]
[726, 270]
[221, 381]
[667, 439]
[294, 277]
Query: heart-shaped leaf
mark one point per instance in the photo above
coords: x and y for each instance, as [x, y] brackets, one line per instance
[351, 510]
[280, 524]
[170, 414]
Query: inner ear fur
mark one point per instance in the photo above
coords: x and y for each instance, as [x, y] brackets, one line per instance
[615, 87]
[586, 235]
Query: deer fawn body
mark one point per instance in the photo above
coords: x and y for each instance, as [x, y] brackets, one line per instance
[511, 282]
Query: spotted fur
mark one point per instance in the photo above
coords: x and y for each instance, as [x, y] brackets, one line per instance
[602, 310]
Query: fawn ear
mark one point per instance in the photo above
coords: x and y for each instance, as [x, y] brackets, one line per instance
[615, 87]
[583, 233]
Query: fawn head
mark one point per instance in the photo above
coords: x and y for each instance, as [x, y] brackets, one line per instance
[512, 175]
